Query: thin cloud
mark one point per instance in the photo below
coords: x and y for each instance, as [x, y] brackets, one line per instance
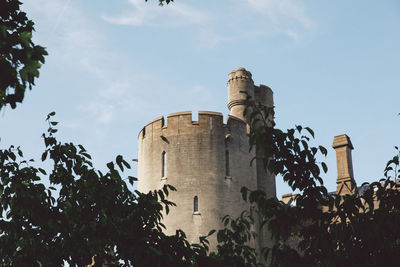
[286, 16]
[79, 45]
[238, 20]
[276, 10]
[294, 35]
[150, 14]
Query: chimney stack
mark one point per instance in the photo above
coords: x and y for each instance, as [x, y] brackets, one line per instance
[345, 177]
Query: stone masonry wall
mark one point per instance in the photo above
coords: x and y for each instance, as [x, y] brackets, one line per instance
[195, 157]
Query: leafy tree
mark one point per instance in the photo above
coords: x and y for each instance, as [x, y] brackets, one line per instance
[85, 216]
[20, 58]
[322, 229]
[92, 214]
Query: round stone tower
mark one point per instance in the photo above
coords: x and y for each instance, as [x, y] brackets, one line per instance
[240, 85]
[208, 161]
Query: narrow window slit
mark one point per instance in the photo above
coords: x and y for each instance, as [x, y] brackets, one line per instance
[227, 171]
[163, 164]
[195, 204]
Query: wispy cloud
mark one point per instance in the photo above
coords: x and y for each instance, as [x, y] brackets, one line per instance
[150, 14]
[107, 89]
[279, 10]
[213, 25]
[294, 35]
[113, 82]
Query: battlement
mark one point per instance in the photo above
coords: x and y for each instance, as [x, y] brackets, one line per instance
[239, 74]
[181, 123]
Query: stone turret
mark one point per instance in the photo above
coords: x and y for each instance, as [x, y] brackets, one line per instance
[264, 95]
[265, 180]
[240, 84]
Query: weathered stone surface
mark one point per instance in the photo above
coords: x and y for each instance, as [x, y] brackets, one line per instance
[196, 162]
[345, 179]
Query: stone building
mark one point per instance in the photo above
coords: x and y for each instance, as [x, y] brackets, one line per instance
[208, 161]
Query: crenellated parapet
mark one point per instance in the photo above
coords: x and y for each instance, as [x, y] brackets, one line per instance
[181, 123]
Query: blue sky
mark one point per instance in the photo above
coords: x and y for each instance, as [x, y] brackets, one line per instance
[115, 65]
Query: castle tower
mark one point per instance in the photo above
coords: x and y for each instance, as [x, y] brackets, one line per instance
[208, 161]
[240, 85]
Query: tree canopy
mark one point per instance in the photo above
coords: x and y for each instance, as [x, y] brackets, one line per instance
[86, 216]
[322, 228]
[20, 58]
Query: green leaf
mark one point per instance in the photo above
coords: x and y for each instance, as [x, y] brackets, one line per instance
[310, 131]
[305, 145]
[25, 38]
[132, 179]
[211, 232]
[323, 150]
[12, 156]
[324, 167]
[110, 166]
[20, 152]
[126, 164]
[119, 160]
[44, 155]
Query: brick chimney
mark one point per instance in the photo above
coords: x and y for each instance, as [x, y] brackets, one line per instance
[345, 178]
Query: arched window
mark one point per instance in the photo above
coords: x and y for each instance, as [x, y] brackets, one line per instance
[163, 164]
[195, 204]
[227, 172]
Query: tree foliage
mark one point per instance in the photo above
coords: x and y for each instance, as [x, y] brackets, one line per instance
[91, 213]
[77, 214]
[20, 58]
[322, 229]
[84, 215]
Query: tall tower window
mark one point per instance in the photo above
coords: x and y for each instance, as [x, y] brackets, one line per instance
[195, 204]
[227, 172]
[163, 164]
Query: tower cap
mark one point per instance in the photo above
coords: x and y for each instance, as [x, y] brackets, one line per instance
[240, 72]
